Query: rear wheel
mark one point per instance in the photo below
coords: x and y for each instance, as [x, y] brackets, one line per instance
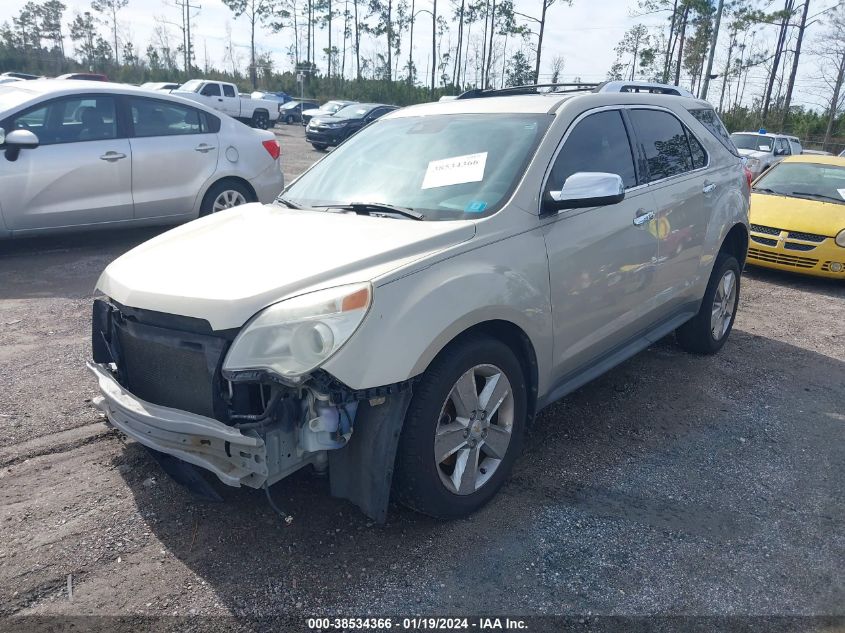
[225, 195]
[709, 329]
[463, 430]
[260, 120]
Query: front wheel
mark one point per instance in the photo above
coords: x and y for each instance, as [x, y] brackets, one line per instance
[320, 147]
[463, 430]
[709, 329]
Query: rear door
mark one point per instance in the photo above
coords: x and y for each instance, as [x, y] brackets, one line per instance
[684, 192]
[80, 174]
[602, 259]
[174, 153]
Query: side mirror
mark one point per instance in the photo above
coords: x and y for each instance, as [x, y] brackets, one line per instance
[587, 189]
[18, 140]
[2, 136]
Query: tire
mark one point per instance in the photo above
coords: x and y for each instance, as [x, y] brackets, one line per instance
[425, 483]
[260, 120]
[320, 147]
[224, 190]
[288, 120]
[707, 332]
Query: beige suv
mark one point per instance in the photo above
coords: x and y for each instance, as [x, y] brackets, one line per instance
[414, 299]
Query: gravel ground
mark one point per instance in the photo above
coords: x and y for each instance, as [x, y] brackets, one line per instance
[673, 485]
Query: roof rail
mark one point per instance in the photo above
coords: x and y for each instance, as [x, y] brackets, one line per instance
[644, 86]
[528, 89]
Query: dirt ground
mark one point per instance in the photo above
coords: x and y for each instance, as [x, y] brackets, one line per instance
[674, 485]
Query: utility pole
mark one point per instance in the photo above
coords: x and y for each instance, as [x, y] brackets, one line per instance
[713, 43]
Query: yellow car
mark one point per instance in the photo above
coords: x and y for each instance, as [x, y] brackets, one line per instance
[798, 217]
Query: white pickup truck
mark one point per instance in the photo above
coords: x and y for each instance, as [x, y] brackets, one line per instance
[260, 113]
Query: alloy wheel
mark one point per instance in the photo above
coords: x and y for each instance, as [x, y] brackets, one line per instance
[228, 199]
[724, 304]
[474, 429]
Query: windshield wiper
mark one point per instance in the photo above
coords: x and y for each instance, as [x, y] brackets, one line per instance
[764, 190]
[817, 195]
[365, 208]
[287, 203]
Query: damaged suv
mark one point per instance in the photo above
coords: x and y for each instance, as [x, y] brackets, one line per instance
[410, 302]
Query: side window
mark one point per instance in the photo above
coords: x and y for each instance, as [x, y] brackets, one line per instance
[228, 91]
[70, 120]
[783, 147]
[664, 142]
[151, 117]
[211, 90]
[598, 143]
[710, 120]
[699, 156]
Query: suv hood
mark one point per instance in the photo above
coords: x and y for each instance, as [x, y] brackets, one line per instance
[226, 267]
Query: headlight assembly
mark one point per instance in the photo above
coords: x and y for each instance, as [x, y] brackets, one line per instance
[293, 337]
[840, 238]
[753, 164]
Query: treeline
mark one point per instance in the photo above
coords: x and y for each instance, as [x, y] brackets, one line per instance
[712, 47]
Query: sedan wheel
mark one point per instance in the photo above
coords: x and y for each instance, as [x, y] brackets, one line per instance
[228, 199]
[474, 429]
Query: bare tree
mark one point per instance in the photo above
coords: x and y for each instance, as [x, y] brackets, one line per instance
[110, 9]
[255, 11]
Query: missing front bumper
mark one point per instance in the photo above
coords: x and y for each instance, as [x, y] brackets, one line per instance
[237, 458]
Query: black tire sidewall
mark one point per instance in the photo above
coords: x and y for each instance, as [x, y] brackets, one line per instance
[696, 335]
[417, 482]
[724, 263]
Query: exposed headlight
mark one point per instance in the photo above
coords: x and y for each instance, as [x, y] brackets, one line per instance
[753, 164]
[840, 238]
[293, 337]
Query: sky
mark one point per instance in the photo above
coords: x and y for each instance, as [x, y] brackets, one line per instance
[585, 34]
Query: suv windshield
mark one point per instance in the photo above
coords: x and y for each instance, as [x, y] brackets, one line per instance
[805, 180]
[447, 167]
[352, 112]
[756, 142]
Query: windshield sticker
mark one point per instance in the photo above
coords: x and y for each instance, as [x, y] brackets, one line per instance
[475, 206]
[841, 193]
[455, 171]
[765, 148]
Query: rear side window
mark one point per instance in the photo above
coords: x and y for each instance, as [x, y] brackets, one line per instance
[710, 120]
[228, 91]
[599, 142]
[151, 117]
[664, 143]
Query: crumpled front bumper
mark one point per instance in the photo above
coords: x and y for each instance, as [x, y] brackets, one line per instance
[237, 459]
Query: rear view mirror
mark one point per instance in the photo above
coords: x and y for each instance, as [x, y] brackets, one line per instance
[18, 140]
[587, 189]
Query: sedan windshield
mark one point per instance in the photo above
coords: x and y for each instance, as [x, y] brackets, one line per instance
[756, 142]
[446, 167]
[815, 181]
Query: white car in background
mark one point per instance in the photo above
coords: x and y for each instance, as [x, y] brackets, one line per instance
[223, 96]
[82, 154]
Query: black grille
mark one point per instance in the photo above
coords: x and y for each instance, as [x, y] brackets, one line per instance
[795, 246]
[768, 230]
[807, 237]
[764, 240]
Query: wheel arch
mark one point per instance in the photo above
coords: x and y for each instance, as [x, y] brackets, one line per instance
[736, 243]
[217, 181]
[519, 343]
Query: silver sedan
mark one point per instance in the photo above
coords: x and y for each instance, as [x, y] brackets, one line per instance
[78, 155]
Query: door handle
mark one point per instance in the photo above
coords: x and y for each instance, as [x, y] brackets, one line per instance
[220, 99]
[112, 156]
[203, 148]
[708, 187]
[643, 217]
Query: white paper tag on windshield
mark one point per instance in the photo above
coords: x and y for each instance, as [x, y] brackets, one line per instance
[455, 171]
[842, 193]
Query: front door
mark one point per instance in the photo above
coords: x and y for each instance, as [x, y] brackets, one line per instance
[80, 174]
[601, 260]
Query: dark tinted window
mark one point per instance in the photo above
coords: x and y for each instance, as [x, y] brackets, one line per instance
[598, 143]
[228, 91]
[664, 142]
[699, 156]
[211, 90]
[70, 120]
[162, 118]
[710, 120]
